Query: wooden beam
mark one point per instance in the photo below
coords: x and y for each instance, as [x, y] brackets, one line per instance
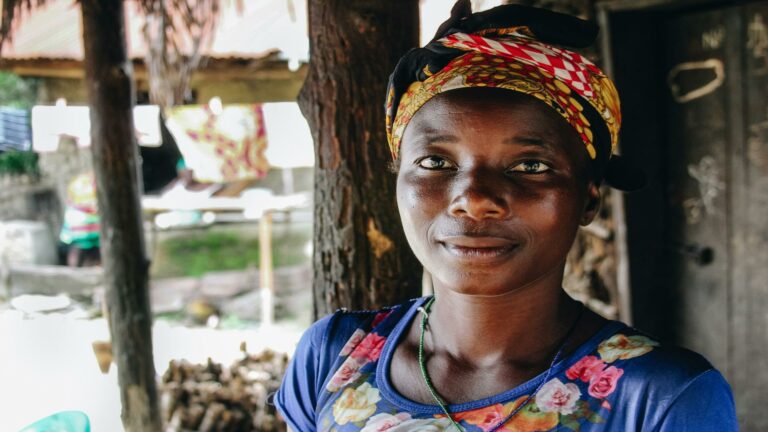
[223, 69]
[115, 161]
[629, 5]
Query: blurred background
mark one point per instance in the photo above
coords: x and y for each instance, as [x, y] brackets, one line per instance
[237, 209]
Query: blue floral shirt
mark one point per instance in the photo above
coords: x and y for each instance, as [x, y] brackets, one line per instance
[618, 380]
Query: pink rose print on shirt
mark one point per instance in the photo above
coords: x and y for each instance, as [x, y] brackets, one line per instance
[381, 316]
[585, 368]
[369, 348]
[604, 383]
[348, 372]
[384, 422]
[353, 341]
[554, 396]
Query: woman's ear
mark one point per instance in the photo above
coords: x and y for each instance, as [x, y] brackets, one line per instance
[592, 205]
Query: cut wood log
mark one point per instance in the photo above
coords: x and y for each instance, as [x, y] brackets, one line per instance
[209, 397]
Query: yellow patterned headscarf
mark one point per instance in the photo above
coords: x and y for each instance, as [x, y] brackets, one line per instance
[505, 48]
[562, 79]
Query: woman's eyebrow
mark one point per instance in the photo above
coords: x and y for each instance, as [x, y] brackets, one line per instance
[528, 140]
[428, 135]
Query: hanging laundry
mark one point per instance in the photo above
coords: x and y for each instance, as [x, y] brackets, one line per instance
[222, 145]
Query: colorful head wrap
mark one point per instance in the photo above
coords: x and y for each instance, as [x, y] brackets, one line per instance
[510, 47]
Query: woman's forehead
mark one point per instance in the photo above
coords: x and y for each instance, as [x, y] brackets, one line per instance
[481, 111]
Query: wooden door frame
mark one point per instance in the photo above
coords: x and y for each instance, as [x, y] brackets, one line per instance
[630, 54]
[631, 301]
[608, 6]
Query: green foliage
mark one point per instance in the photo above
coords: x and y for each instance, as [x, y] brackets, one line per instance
[201, 252]
[17, 92]
[19, 163]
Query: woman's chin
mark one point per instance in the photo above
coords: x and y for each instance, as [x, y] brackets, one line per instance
[475, 283]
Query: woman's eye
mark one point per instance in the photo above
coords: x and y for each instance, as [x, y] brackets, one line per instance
[530, 167]
[435, 163]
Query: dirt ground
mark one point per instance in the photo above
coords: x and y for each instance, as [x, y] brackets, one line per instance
[47, 363]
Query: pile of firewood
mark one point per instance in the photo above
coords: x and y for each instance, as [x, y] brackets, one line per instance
[209, 397]
[590, 272]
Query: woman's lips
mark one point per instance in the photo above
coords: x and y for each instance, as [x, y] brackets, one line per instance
[477, 247]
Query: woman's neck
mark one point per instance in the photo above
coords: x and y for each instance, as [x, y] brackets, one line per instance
[523, 326]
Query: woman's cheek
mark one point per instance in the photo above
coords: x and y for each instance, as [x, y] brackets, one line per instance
[419, 203]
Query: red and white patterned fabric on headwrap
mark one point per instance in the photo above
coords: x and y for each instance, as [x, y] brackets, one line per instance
[522, 49]
[511, 59]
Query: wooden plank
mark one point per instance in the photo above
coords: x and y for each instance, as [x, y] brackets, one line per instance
[214, 69]
[634, 5]
[53, 280]
[749, 200]
[698, 145]
[717, 309]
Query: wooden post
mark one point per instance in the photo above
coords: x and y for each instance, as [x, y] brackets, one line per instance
[115, 155]
[5, 277]
[617, 198]
[361, 258]
[266, 277]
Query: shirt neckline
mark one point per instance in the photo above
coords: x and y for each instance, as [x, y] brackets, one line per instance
[388, 391]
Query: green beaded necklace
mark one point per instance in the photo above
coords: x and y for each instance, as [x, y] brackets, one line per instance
[441, 402]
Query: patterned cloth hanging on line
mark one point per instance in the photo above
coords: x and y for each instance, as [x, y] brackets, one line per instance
[220, 146]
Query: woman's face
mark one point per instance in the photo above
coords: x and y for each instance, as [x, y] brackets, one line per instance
[491, 188]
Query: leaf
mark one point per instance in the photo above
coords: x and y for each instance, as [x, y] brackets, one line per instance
[582, 409]
[570, 421]
[595, 418]
[361, 379]
[590, 415]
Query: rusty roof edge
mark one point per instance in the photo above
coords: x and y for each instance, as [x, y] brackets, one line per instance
[46, 67]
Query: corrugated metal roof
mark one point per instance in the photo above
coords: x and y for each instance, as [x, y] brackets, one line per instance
[54, 31]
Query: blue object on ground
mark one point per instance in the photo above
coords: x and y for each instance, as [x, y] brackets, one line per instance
[65, 421]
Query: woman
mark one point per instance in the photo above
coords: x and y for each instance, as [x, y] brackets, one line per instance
[500, 142]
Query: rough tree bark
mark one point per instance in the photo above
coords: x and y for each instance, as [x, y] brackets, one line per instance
[361, 258]
[108, 75]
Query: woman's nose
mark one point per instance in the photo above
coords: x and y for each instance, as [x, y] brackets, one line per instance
[479, 197]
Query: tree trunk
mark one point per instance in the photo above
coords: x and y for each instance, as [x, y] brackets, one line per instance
[115, 155]
[361, 258]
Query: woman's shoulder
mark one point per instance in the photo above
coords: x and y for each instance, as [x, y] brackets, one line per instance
[331, 333]
[633, 348]
[668, 384]
[670, 378]
[321, 351]
[641, 383]
[623, 359]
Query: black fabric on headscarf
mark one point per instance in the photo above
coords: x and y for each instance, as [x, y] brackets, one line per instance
[546, 26]
[549, 27]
